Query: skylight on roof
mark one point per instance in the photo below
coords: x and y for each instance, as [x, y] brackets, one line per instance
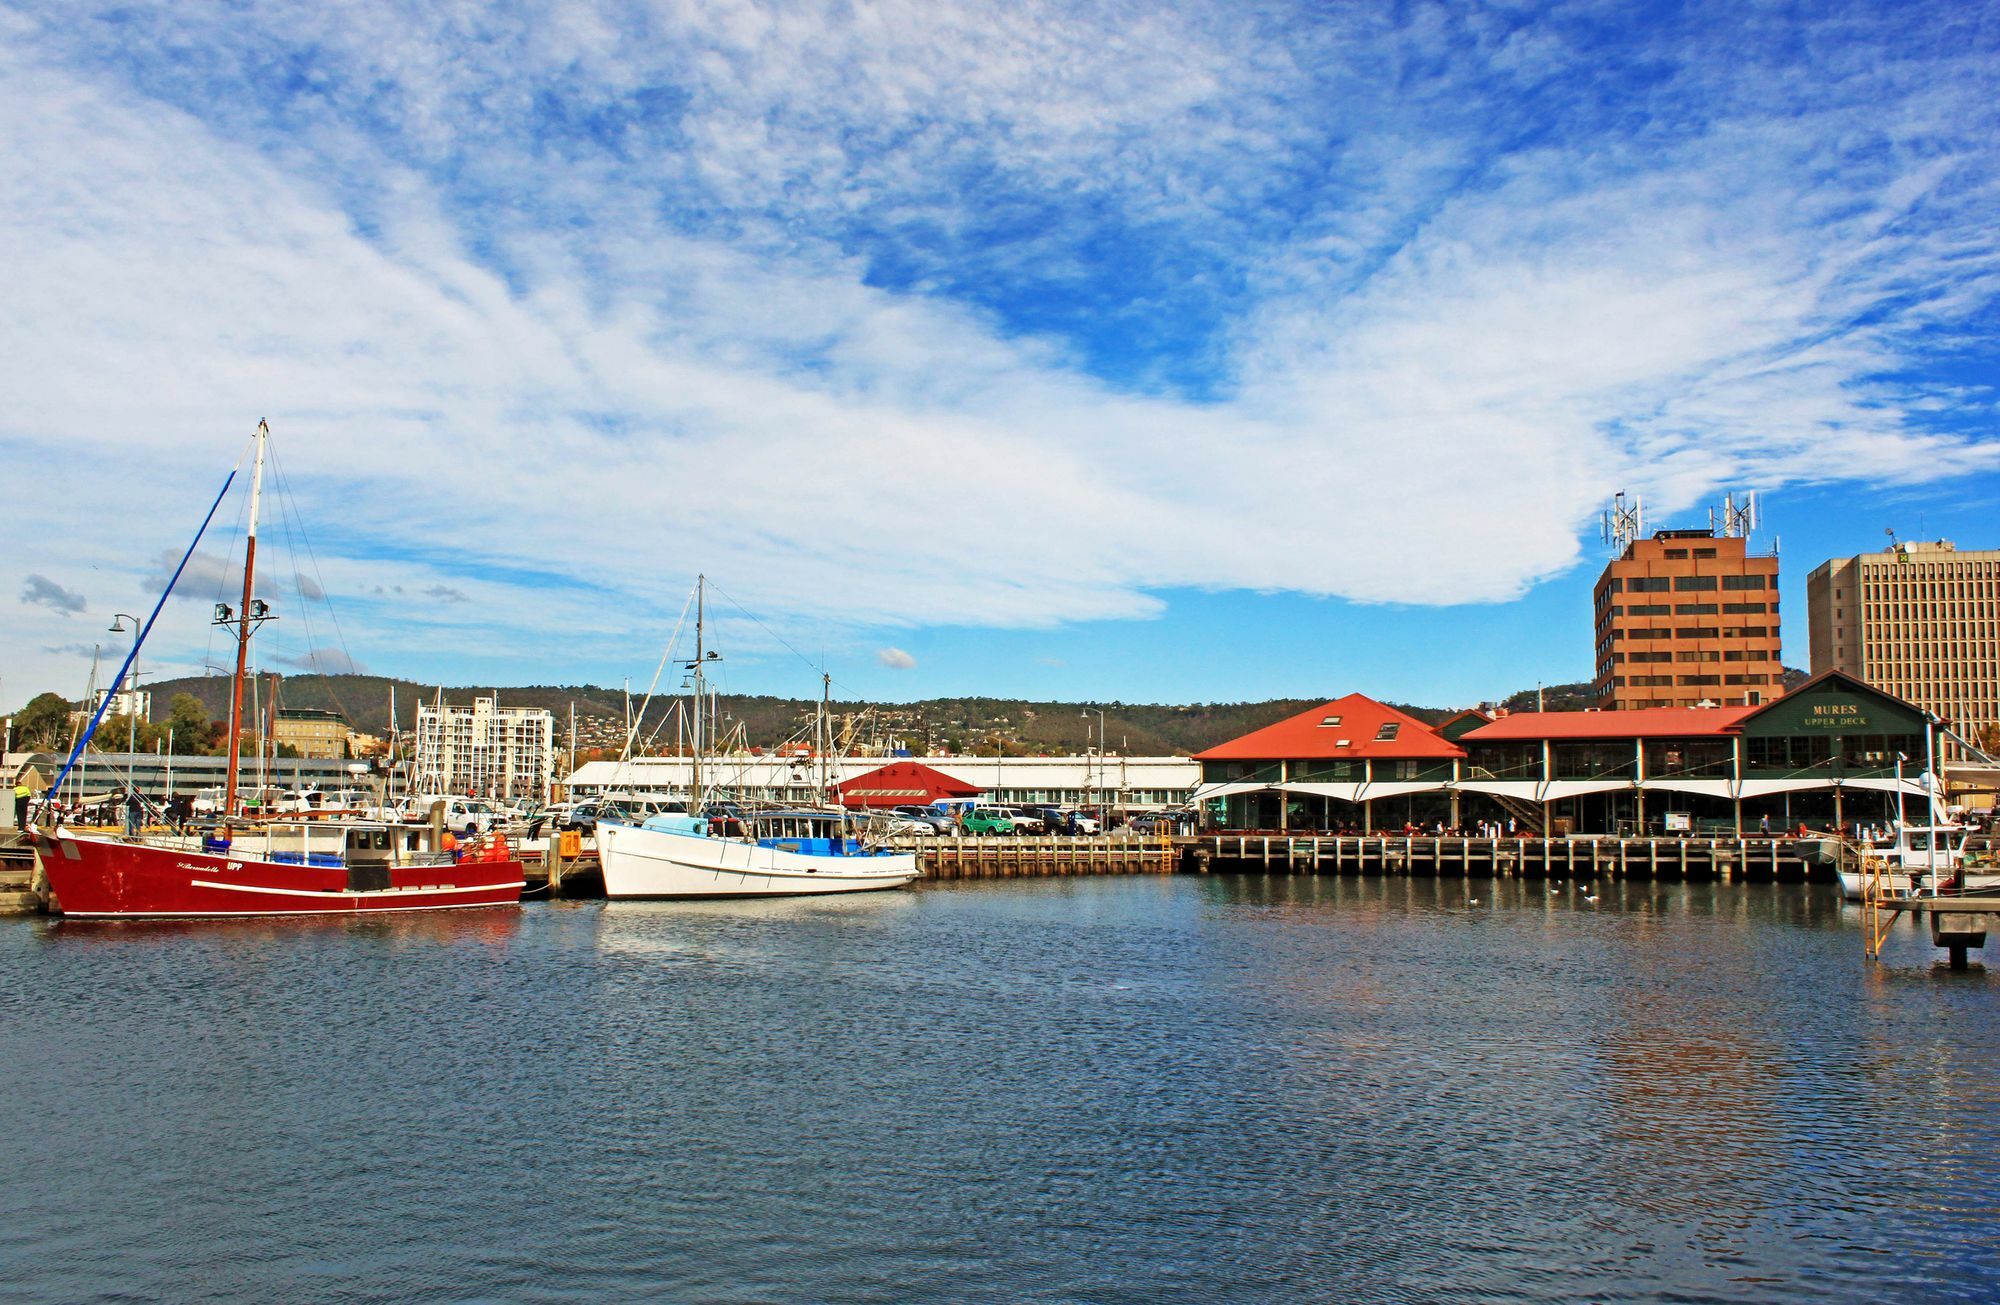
[1326, 721]
[1388, 731]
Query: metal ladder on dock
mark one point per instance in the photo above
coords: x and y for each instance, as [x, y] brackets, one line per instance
[1876, 914]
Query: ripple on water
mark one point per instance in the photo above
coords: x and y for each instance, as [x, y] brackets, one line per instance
[1121, 1089]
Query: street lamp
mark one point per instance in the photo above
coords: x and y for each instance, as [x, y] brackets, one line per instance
[131, 683]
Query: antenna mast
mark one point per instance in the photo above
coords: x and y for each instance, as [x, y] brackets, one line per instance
[1738, 520]
[1622, 522]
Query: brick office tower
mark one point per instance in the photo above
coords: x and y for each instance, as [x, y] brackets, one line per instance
[1684, 618]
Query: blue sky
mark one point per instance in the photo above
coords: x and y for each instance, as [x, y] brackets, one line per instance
[1103, 351]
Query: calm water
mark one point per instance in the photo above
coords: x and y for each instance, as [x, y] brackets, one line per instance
[1116, 1089]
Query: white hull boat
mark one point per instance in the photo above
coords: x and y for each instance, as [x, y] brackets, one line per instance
[642, 862]
[1898, 883]
[1913, 856]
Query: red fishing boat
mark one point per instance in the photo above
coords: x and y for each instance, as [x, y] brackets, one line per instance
[241, 867]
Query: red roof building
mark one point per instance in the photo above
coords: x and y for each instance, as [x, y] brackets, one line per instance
[1356, 727]
[1631, 723]
[903, 784]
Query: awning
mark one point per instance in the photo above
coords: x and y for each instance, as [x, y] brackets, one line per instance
[1206, 792]
[1526, 790]
[1717, 788]
[1343, 792]
[1558, 789]
[1913, 785]
[1402, 787]
[1756, 788]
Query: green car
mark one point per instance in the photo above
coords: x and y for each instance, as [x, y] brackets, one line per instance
[984, 820]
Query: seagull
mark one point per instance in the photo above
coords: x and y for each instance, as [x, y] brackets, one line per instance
[1472, 901]
[1590, 897]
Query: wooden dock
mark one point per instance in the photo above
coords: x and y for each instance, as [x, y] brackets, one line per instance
[1573, 857]
[1019, 856]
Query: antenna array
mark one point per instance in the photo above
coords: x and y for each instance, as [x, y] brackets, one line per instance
[1738, 520]
[1623, 522]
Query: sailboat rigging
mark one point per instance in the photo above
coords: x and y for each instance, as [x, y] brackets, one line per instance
[242, 867]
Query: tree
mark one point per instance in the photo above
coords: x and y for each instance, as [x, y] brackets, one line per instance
[44, 722]
[188, 719]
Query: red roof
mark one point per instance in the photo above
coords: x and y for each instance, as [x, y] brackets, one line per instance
[1640, 722]
[902, 784]
[1346, 727]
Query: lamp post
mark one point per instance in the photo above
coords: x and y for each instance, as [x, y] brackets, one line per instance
[131, 683]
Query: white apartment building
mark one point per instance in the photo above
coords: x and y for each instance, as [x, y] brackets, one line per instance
[127, 702]
[1919, 620]
[485, 750]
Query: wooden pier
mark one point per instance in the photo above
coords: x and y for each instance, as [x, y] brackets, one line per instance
[1011, 857]
[1571, 857]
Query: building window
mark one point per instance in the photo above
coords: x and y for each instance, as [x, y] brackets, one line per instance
[1698, 582]
[1745, 582]
[1388, 731]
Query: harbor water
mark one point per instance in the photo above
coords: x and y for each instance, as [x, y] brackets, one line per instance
[1125, 1089]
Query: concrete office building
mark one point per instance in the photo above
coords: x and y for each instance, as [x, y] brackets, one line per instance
[1687, 617]
[1919, 620]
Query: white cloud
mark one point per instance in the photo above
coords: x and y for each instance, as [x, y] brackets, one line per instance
[895, 659]
[553, 372]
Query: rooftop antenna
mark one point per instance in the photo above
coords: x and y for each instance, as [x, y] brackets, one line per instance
[1737, 520]
[1623, 523]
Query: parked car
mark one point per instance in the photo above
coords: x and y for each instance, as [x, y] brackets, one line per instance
[468, 817]
[988, 820]
[583, 816]
[938, 822]
[898, 825]
[1025, 819]
[1156, 822]
[1066, 820]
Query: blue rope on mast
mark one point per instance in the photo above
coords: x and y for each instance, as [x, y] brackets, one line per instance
[98, 716]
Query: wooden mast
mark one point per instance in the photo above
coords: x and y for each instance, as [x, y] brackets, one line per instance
[243, 630]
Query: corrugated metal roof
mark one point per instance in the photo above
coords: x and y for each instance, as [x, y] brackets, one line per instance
[1639, 722]
[1353, 726]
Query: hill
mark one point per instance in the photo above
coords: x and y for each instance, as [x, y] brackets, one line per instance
[966, 724]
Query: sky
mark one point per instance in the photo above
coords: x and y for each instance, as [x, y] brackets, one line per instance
[1113, 352]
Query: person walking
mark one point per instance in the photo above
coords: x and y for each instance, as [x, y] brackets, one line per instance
[1764, 825]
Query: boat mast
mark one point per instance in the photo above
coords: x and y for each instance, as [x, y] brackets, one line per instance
[243, 629]
[694, 794]
[824, 729]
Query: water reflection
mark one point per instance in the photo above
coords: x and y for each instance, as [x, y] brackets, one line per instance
[1232, 1087]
